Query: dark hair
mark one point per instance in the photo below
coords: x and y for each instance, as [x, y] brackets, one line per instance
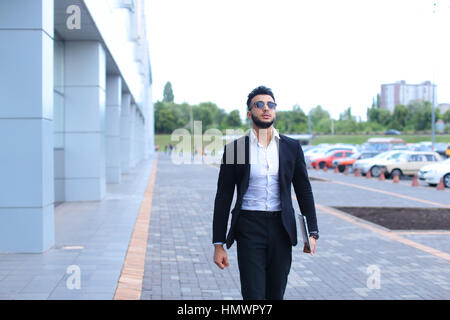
[259, 90]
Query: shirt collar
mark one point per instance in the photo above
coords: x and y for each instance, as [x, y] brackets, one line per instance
[254, 139]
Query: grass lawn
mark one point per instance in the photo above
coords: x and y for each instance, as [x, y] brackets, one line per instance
[164, 139]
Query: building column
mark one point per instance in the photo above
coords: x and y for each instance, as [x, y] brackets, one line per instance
[26, 126]
[125, 131]
[132, 121]
[113, 118]
[85, 84]
[139, 138]
[150, 124]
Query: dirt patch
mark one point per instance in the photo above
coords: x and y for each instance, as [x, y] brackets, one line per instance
[403, 218]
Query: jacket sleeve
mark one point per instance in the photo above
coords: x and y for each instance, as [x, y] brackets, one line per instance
[303, 191]
[224, 197]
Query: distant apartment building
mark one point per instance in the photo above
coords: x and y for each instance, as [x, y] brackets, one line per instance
[443, 107]
[402, 93]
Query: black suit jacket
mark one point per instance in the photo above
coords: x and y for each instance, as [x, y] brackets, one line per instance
[235, 171]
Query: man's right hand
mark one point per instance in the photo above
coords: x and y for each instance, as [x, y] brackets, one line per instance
[220, 256]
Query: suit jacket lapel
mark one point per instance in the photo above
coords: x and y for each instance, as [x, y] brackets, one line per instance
[246, 177]
[281, 159]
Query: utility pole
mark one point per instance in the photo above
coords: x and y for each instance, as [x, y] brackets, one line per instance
[191, 117]
[191, 120]
[309, 123]
[433, 120]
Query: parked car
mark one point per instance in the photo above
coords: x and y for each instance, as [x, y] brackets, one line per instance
[433, 173]
[409, 163]
[327, 160]
[423, 146]
[348, 162]
[373, 164]
[321, 152]
[441, 148]
[392, 132]
[383, 144]
[316, 151]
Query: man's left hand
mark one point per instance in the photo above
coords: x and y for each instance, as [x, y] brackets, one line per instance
[312, 241]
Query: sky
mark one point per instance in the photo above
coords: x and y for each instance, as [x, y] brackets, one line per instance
[323, 52]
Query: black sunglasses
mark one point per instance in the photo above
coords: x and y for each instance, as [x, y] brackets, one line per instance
[261, 104]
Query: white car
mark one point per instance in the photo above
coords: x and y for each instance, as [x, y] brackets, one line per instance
[432, 173]
[373, 164]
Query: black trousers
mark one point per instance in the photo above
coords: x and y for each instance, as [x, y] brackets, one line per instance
[264, 254]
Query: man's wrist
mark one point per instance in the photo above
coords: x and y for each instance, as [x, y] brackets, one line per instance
[314, 234]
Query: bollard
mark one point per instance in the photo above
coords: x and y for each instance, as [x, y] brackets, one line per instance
[336, 169]
[325, 168]
[381, 177]
[396, 178]
[346, 170]
[415, 182]
[356, 172]
[441, 185]
[368, 174]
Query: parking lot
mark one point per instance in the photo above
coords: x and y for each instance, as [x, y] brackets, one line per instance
[389, 157]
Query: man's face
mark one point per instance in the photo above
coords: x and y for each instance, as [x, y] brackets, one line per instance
[262, 118]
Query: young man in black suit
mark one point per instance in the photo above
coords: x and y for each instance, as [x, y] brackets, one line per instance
[262, 164]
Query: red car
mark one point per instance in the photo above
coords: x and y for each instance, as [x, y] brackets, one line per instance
[327, 160]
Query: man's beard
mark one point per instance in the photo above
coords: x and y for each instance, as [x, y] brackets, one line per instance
[261, 124]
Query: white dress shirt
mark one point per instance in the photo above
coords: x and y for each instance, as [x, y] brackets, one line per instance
[263, 193]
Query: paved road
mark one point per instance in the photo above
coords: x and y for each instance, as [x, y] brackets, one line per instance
[350, 255]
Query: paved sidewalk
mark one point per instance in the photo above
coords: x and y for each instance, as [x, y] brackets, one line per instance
[338, 194]
[91, 235]
[179, 261]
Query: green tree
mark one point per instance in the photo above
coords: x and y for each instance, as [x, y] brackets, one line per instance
[384, 117]
[204, 112]
[400, 117]
[233, 119]
[297, 120]
[324, 125]
[345, 126]
[283, 121]
[317, 114]
[446, 116]
[422, 117]
[168, 93]
[378, 115]
[165, 121]
[347, 115]
[347, 122]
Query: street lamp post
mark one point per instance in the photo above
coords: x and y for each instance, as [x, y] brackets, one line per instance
[309, 123]
[433, 85]
[433, 121]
